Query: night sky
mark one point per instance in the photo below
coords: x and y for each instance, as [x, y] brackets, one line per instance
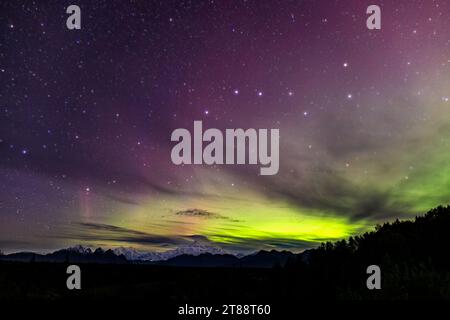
[86, 117]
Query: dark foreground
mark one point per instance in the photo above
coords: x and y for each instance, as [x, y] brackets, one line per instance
[178, 285]
[141, 282]
[161, 291]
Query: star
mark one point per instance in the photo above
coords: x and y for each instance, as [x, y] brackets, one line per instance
[119, 109]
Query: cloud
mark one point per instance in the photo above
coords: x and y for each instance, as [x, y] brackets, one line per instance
[197, 213]
[13, 243]
[330, 192]
[107, 232]
[97, 232]
[204, 214]
[238, 244]
[200, 213]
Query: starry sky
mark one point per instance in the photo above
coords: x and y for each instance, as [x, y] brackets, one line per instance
[86, 117]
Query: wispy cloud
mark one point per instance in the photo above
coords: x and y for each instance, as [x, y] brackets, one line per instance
[99, 232]
[205, 214]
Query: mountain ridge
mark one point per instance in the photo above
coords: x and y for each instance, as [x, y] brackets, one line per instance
[177, 258]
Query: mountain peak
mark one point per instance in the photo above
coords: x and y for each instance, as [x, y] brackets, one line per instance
[80, 249]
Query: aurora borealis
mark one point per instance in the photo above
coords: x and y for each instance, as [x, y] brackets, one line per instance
[86, 117]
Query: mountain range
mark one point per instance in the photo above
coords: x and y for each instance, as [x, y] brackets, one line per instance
[194, 249]
[187, 256]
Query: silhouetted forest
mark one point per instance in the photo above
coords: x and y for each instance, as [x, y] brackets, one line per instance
[413, 257]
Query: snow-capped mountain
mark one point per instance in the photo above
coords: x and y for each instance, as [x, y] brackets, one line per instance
[80, 249]
[129, 253]
[193, 255]
[193, 249]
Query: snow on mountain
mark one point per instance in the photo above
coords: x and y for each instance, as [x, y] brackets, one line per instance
[131, 254]
[193, 249]
[80, 249]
